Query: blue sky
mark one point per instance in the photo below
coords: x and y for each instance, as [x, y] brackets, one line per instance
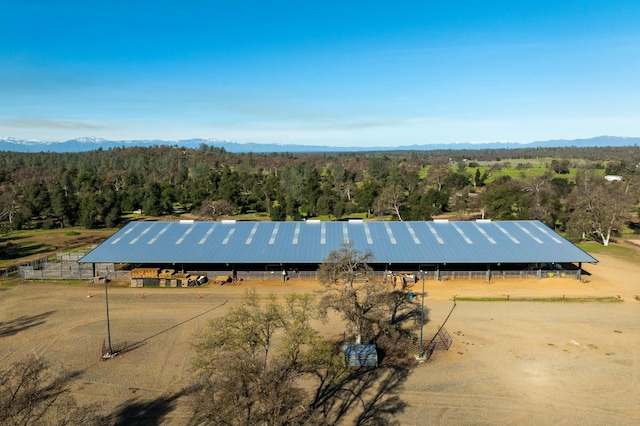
[338, 73]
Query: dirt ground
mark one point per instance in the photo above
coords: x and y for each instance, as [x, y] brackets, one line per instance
[511, 362]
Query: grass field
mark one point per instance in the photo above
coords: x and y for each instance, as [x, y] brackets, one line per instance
[531, 168]
[624, 252]
[21, 246]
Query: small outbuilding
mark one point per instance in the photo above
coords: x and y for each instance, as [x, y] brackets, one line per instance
[360, 355]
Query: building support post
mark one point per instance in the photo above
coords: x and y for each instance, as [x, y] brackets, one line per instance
[579, 275]
[421, 353]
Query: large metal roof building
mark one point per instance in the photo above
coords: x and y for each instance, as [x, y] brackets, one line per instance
[304, 245]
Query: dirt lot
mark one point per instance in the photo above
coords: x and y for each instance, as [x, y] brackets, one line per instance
[511, 362]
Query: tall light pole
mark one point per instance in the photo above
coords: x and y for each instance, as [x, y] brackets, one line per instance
[109, 353]
[421, 353]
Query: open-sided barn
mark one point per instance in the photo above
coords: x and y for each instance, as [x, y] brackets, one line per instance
[436, 247]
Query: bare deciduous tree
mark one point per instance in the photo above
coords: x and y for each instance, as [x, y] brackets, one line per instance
[31, 394]
[345, 266]
[247, 377]
[263, 363]
[598, 208]
[390, 200]
[217, 208]
[370, 309]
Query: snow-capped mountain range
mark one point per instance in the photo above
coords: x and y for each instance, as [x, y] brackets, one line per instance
[84, 144]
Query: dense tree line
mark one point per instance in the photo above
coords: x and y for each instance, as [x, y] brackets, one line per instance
[94, 189]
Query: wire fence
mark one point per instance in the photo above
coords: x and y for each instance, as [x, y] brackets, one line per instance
[498, 275]
[9, 275]
[428, 275]
[64, 266]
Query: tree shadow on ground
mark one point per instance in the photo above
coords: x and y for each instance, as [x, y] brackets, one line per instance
[4, 239]
[15, 326]
[148, 413]
[11, 251]
[31, 393]
[364, 395]
[383, 403]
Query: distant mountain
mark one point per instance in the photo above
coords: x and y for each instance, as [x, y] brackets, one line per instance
[90, 144]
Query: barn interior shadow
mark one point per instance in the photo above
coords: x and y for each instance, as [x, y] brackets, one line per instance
[15, 326]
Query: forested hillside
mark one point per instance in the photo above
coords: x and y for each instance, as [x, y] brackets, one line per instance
[563, 187]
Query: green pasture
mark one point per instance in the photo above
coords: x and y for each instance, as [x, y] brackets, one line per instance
[619, 251]
[519, 168]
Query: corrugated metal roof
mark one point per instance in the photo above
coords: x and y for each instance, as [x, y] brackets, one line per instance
[311, 241]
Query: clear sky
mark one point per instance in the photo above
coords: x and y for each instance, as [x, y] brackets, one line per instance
[338, 73]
